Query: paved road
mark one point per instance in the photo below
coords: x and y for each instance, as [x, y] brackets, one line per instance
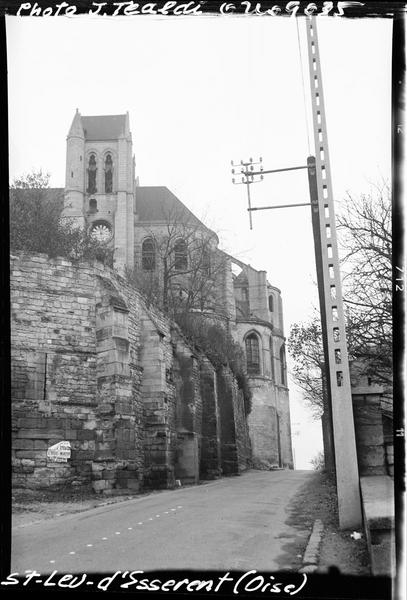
[235, 523]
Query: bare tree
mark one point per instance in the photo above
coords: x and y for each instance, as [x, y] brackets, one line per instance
[364, 228]
[180, 270]
[366, 241]
[305, 347]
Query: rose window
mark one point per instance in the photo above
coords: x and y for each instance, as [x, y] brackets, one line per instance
[101, 231]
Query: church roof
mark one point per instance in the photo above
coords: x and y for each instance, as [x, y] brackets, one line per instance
[104, 127]
[158, 204]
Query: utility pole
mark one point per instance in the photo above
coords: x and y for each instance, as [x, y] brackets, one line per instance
[329, 290]
[331, 303]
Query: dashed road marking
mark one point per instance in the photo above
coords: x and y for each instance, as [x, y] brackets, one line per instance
[104, 538]
[179, 506]
[140, 523]
[52, 561]
[129, 528]
[89, 545]
[72, 552]
[117, 532]
[157, 516]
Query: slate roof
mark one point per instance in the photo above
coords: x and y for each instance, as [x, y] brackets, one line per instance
[103, 127]
[158, 204]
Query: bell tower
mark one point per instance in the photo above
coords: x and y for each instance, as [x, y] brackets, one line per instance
[75, 176]
[100, 182]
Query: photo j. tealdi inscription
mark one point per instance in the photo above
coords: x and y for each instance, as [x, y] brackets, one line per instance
[129, 8]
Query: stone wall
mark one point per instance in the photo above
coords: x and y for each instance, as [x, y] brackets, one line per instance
[75, 376]
[93, 365]
[284, 428]
[242, 439]
[211, 443]
[370, 444]
[269, 423]
[234, 439]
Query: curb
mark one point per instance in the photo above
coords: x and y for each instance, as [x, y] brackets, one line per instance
[311, 554]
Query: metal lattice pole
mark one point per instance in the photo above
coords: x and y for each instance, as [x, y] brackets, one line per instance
[332, 314]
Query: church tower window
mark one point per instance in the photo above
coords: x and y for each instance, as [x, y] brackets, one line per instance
[283, 366]
[108, 174]
[92, 169]
[181, 258]
[148, 255]
[206, 263]
[273, 375]
[252, 354]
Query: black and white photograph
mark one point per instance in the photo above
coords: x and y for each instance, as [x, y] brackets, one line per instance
[205, 288]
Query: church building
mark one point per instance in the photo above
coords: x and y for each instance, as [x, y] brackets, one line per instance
[168, 368]
[102, 193]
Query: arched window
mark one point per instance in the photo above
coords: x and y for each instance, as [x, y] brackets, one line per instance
[180, 256]
[108, 174]
[92, 169]
[252, 354]
[271, 303]
[206, 263]
[283, 366]
[148, 255]
[273, 375]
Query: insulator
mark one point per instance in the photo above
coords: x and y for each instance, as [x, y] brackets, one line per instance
[242, 179]
[261, 160]
[251, 160]
[233, 180]
[231, 162]
[261, 177]
[241, 162]
[233, 171]
[261, 168]
[251, 168]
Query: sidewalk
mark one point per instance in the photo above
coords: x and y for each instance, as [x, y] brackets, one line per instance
[317, 502]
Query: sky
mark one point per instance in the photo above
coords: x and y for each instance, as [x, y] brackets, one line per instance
[202, 91]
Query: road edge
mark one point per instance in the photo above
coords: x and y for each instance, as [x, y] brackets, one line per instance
[310, 560]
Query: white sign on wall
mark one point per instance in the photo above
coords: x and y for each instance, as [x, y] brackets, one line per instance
[59, 452]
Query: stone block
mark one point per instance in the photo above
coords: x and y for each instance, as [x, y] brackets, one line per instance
[23, 444]
[32, 422]
[103, 454]
[27, 469]
[371, 456]
[41, 434]
[133, 484]
[99, 485]
[85, 434]
[40, 445]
